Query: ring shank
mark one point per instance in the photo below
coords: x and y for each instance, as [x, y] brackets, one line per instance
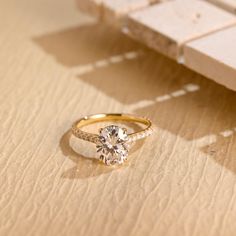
[87, 120]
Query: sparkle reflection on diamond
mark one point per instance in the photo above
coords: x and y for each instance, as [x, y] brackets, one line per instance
[113, 148]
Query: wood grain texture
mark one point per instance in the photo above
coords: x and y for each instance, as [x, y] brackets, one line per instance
[214, 56]
[58, 67]
[228, 5]
[166, 27]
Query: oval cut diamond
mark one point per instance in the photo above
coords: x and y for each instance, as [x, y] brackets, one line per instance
[113, 148]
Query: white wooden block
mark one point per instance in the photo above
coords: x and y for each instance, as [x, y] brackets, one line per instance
[117, 9]
[214, 56]
[229, 5]
[111, 10]
[93, 7]
[167, 26]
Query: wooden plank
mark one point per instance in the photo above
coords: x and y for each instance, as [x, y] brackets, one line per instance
[167, 26]
[229, 5]
[214, 56]
[92, 7]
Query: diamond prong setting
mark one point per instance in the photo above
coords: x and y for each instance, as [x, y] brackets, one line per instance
[113, 147]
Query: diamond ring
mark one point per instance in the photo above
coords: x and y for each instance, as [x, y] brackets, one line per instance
[112, 142]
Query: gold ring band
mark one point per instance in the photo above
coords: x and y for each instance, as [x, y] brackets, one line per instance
[112, 141]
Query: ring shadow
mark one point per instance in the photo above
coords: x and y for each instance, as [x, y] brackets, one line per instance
[85, 167]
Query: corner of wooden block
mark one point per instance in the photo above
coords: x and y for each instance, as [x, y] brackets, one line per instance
[152, 39]
[92, 7]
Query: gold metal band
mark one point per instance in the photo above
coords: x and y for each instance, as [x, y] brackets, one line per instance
[94, 138]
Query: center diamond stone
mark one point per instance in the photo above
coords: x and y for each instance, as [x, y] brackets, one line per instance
[113, 147]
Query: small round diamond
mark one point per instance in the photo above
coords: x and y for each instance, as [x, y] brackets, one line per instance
[113, 148]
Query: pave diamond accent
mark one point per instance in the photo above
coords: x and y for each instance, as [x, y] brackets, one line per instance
[113, 147]
[140, 135]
